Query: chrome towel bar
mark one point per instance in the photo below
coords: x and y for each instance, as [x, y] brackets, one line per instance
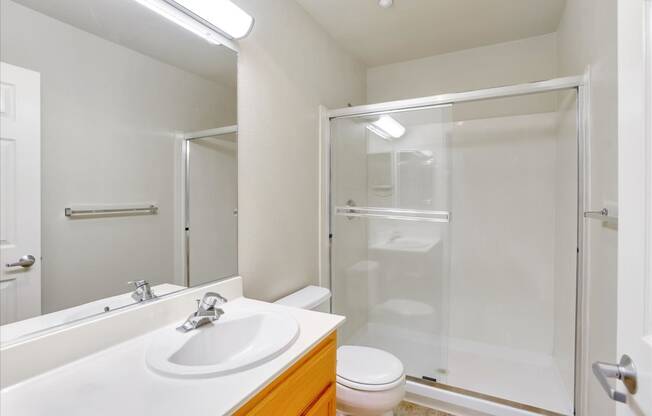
[393, 214]
[85, 212]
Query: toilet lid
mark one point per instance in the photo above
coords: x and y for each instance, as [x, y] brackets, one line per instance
[366, 368]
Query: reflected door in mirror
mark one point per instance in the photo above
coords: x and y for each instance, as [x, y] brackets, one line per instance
[20, 193]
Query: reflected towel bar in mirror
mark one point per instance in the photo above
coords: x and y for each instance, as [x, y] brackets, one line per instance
[86, 211]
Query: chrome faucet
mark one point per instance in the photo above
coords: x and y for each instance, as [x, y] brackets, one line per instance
[206, 312]
[143, 291]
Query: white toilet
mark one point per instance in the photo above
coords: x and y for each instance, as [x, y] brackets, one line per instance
[370, 382]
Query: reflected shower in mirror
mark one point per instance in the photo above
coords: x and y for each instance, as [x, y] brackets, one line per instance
[211, 203]
[99, 98]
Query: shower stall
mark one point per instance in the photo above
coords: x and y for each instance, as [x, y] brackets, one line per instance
[455, 239]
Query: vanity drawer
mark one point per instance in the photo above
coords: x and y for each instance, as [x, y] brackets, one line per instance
[307, 388]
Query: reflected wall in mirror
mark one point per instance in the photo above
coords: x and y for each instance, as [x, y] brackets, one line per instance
[99, 98]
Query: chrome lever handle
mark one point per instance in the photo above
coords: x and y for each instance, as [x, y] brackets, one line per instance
[25, 262]
[602, 215]
[137, 283]
[623, 371]
[211, 299]
[142, 291]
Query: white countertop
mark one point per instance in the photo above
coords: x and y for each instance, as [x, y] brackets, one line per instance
[117, 382]
[15, 330]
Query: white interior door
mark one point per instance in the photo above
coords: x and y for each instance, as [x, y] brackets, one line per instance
[20, 193]
[635, 200]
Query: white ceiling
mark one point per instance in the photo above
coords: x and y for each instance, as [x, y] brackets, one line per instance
[418, 28]
[127, 23]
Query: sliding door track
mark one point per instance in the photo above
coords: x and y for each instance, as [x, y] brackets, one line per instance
[493, 399]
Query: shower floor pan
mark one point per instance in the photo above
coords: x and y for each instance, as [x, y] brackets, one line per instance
[524, 377]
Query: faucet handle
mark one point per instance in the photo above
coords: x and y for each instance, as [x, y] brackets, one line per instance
[142, 291]
[138, 283]
[211, 299]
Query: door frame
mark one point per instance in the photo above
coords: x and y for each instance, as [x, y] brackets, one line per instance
[581, 84]
[635, 195]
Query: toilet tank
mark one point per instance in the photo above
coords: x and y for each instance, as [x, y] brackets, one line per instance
[310, 297]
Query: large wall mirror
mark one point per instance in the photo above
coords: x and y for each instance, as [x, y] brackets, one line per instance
[118, 160]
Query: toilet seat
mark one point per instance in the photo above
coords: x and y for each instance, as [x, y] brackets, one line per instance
[368, 369]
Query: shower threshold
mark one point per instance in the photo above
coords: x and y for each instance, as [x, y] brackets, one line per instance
[443, 393]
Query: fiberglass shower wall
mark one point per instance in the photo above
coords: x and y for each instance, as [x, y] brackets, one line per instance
[485, 302]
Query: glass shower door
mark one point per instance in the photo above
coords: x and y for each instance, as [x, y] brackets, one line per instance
[455, 243]
[390, 199]
[513, 270]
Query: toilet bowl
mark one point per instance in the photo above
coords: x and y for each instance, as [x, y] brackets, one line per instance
[370, 382]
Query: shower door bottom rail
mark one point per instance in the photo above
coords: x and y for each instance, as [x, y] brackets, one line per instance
[481, 396]
[393, 214]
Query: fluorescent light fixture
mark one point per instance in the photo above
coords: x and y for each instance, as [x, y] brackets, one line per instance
[228, 18]
[217, 21]
[387, 128]
[378, 132]
[174, 15]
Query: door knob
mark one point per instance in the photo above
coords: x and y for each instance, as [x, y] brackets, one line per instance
[25, 261]
[623, 371]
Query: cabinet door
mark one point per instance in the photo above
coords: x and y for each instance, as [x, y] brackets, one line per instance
[300, 388]
[325, 405]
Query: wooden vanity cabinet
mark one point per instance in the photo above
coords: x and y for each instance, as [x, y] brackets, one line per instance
[307, 388]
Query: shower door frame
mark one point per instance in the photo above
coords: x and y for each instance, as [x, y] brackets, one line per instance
[578, 83]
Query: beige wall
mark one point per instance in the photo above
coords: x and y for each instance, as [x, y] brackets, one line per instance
[288, 66]
[506, 63]
[587, 36]
[109, 116]
[471, 69]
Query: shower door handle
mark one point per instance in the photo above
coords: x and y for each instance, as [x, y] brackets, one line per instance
[624, 371]
[602, 215]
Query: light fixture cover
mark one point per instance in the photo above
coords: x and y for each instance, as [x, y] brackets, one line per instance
[224, 15]
[187, 22]
[387, 127]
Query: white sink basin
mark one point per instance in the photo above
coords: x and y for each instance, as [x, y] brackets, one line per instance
[237, 341]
